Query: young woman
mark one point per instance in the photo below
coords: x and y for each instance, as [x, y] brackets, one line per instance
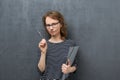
[54, 52]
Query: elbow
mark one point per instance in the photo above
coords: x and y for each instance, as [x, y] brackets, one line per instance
[42, 69]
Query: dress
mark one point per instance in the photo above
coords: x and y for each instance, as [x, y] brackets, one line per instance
[56, 55]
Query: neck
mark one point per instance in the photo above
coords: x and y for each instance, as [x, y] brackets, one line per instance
[56, 39]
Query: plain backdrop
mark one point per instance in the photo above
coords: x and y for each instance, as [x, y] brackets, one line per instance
[93, 24]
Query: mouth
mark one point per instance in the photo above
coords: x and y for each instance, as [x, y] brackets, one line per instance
[52, 31]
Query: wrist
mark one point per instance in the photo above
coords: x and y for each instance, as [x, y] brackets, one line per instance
[43, 52]
[43, 55]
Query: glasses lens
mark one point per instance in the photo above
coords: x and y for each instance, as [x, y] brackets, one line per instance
[53, 25]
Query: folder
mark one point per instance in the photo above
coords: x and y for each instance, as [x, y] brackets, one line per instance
[71, 56]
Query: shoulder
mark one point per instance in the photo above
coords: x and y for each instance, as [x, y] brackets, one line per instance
[72, 42]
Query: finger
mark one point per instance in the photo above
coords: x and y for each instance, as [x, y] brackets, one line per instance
[39, 45]
[64, 66]
[68, 62]
[63, 70]
[43, 41]
[42, 45]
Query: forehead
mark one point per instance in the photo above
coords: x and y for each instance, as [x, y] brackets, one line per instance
[49, 20]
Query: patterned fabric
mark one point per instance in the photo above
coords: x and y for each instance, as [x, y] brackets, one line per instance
[56, 55]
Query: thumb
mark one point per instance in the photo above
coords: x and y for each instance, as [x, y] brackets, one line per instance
[68, 62]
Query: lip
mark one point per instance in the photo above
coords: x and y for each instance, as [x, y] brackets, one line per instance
[52, 32]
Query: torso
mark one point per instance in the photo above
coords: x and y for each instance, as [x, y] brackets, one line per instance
[56, 56]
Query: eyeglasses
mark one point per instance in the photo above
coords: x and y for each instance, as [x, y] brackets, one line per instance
[54, 25]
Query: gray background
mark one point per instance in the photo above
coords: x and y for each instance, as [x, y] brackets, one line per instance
[94, 24]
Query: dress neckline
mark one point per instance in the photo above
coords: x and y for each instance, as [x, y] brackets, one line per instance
[56, 42]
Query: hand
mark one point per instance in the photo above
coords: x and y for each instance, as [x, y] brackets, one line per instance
[66, 68]
[43, 46]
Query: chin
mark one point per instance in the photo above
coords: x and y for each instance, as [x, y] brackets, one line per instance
[53, 35]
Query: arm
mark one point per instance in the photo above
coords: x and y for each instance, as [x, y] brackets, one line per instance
[42, 61]
[72, 69]
[67, 68]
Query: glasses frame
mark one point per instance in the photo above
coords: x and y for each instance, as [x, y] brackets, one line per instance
[54, 25]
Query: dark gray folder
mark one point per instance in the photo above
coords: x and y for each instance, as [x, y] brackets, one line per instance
[71, 56]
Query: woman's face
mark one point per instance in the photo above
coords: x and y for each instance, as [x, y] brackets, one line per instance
[53, 26]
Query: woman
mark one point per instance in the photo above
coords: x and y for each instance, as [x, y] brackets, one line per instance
[54, 51]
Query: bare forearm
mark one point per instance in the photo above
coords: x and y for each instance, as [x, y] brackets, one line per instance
[72, 69]
[66, 69]
[42, 62]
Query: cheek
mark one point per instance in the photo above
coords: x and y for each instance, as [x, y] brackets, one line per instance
[58, 30]
[48, 31]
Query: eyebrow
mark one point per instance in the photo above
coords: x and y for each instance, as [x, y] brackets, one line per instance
[52, 23]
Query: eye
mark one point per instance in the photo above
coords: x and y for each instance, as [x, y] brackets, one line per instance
[54, 24]
[48, 25]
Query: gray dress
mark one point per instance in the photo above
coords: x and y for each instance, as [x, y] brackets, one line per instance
[56, 55]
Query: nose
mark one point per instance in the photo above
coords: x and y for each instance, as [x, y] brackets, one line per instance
[51, 27]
